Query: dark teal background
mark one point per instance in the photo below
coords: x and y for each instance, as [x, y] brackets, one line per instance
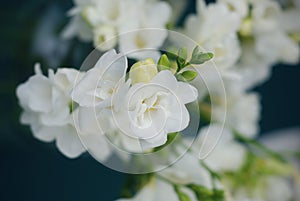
[32, 170]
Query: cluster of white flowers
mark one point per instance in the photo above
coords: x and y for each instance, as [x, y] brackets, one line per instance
[138, 109]
[120, 22]
[142, 110]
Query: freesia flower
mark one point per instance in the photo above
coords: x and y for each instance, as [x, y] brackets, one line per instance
[158, 190]
[141, 114]
[152, 110]
[217, 147]
[245, 123]
[46, 102]
[98, 84]
[269, 33]
[214, 28]
[109, 23]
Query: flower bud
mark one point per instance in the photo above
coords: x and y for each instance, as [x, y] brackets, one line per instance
[143, 71]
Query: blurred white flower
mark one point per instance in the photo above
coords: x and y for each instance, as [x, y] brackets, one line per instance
[105, 37]
[142, 43]
[287, 18]
[187, 170]
[158, 190]
[240, 7]
[246, 122]
[271, 36]
[142, 37]
[216, 144]
[214, 29]
[272, 188]
[108, 23]
[178, 9]
[253, 68]
[46, 102]
[265, 15]
[277, 46]
[228, 97]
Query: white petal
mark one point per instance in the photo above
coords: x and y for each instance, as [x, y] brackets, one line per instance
[111, 67]
[165, 79]
[97, 145]
[44, 133]
[186, 92]
[178, 119]
[68, 142]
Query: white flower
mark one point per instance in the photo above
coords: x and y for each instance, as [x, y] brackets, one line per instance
[240, 7]
[142, 43]
[150, 111]
[105, 37]
[214, 29]
[227, 99]
[278, 189]
[145, 34]
[92, 124]
[265, 15]
[178, 8]
[109, 21]
[272, 188]
[246, 122]
[78, 25]
[187, 170]
[95, 119]
[288, 22]
[253, 68]
[277, 46]
[46, 103]
[159, 190]
[220, 151]
[270, 31]
[98, 84]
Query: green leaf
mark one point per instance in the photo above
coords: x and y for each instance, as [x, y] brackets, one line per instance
[203, 193]
[181, 58]
[182, 196]
[163, 63]
[199, 57]
[187, 76]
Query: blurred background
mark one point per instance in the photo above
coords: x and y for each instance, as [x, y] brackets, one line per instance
[33, 170]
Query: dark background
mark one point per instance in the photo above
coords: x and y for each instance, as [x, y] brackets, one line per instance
[32, 170]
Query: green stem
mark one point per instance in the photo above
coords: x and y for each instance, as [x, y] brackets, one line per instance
[260, 146]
